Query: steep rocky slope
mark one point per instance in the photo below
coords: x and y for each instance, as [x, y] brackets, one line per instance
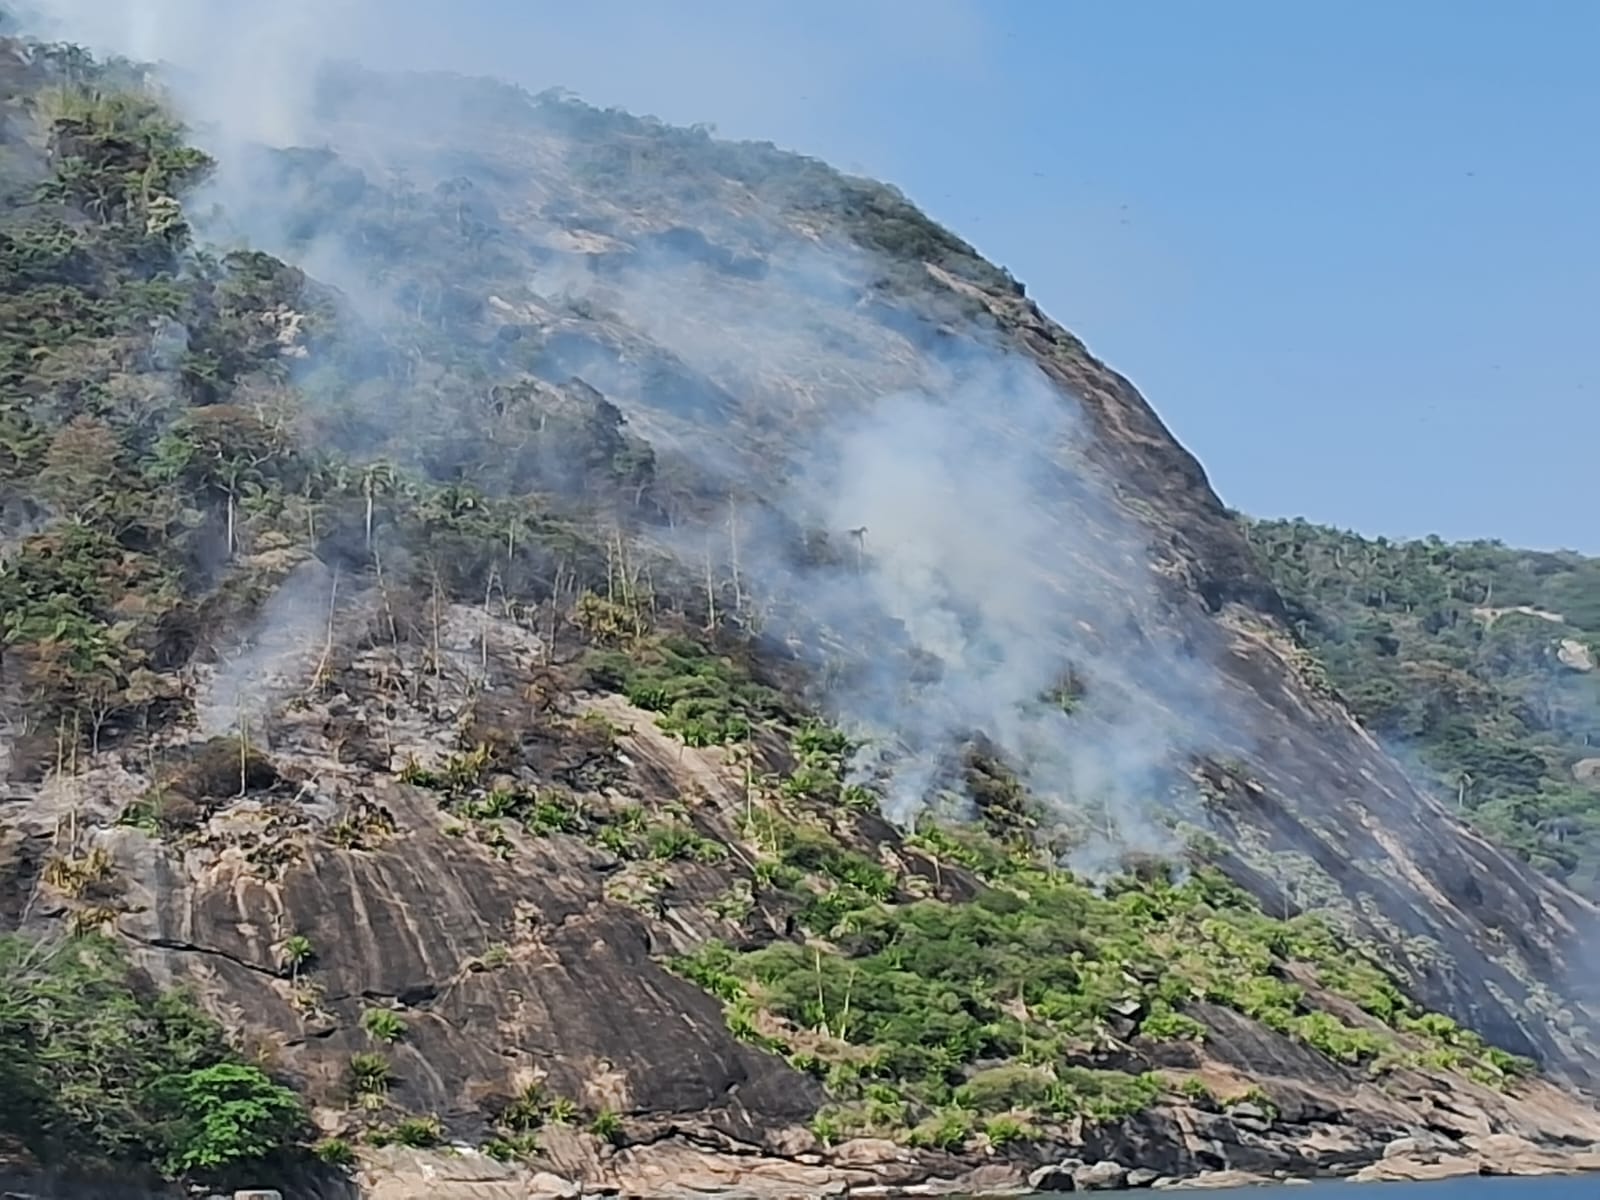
[456, 664]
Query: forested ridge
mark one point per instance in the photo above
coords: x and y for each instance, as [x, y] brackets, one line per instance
[1476, 662]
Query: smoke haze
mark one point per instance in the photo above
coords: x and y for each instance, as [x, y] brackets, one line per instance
[983, 559]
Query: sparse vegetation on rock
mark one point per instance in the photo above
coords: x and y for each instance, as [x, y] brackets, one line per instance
[391, 689]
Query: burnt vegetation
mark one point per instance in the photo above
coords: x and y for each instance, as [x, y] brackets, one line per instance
[183, 429]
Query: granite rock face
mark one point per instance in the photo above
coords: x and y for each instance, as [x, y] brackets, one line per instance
[539, 959]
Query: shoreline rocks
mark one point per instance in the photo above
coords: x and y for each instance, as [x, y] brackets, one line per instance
[872, 1170]
[1495, 1154]
[865, 1169]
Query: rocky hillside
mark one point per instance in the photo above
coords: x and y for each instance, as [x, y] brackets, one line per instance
[546, 649]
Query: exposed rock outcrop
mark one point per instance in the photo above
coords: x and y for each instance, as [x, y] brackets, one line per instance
[1575, 656]
[286, 839]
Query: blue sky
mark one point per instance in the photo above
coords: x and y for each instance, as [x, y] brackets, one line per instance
[1349, 251]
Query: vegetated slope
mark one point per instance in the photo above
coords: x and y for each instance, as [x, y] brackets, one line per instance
[442, 677]
[1478, 659]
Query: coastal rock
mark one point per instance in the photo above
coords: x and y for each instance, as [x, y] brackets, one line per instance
[1494, 1154]
[1103, 1176]
[1054, 1178]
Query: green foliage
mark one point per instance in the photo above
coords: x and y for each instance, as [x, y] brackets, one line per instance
[607, 1126]
[151, 467]
[1164, 1023]
[335, 1152]
[115, 155]
[223, 1116]
[98, 1070]
[383, 1025]
[369, 1077]
[907, 1011]
[512, 1149]
[947, 1129]
[825, 1127]
[415, 1133]
[1451, 651]
[1003, 1131]
[702, 698]
[526, 1111]
[297, 953]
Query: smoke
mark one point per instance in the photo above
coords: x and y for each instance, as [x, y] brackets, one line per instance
[242, 72]
[274, 655]
[979, 560]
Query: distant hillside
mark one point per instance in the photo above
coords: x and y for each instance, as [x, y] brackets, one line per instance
[1481, 661]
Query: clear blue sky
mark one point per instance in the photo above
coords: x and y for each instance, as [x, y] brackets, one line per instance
[1349, 250]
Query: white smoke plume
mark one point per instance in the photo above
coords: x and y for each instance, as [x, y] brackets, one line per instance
[983, 559]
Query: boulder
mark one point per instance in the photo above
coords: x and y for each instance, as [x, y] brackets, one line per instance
[1104, 1176]
[542, 1185]
[1402, 1147]
[1574, 655]
[1056, 1177]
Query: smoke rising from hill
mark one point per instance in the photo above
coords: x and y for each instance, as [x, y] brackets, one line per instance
[982, 560]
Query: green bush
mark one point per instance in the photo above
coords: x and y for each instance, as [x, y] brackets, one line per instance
[369, 1077]
[607, 1126]
[1426, 641]
[930, 995]
[218, 1118]
[383, 1025]
[96, 1070]
[702, 698]
[335, 1152]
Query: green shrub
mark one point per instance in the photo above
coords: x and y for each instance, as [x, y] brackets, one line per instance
[607, 1126]
[1003, 1131]
[1164, 1024]
[369, 1077]
[826, 1128]
[219, 1117]
[418, 1133]
[335, 1152]
[383, 1025]
[526, 1111]
[97, 1069]
[948, 1129]
[297, 953]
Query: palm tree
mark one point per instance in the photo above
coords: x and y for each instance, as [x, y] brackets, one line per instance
[376, 478]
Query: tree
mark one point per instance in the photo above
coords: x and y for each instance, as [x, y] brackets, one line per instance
[377, 478]
[220, 448]
[98, 1068]
[80, 468]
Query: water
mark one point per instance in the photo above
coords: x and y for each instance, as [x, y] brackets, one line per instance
[1569, 1187]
